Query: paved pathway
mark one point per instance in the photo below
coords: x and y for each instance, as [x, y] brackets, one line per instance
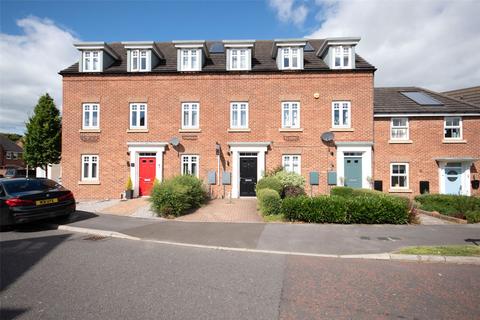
[429, 220]
[222, 210]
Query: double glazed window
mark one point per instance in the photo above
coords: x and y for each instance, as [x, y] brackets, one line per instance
[190, 115]
[91, 116]
[138, 116]
[399, 129]
[290, 115]
[91, 61]
[90, 167]
[399, 175]
[239, 115]
[291, 58]
[239, 59]
[341, 114]
[291, 163]
[453, 128]
[190, 165]
[190, 59]
[138, 60]
[342, 57]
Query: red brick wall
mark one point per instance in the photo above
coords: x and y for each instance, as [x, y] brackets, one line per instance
[164, 94]
[426, 134]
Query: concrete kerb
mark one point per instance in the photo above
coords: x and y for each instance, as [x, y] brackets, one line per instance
[370, 256]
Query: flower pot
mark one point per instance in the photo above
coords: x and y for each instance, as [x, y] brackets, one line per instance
[129, 194]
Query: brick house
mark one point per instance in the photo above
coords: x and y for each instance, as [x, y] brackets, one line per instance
[10, 155]
[226, 111]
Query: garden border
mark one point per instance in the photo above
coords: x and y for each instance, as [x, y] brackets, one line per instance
[438, 215]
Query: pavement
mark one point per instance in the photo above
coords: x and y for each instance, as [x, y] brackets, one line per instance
[225, 210]
[52, 274]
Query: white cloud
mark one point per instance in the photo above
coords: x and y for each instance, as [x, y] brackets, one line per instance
[434, 44]
[29, 66]
[288, 12]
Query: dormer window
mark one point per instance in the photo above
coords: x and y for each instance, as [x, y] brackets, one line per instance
[291, 58]
[138, 60]
[142, 56]
[190, 59]
[239, 54]
[239, 59]
[342, 57]
[91, 61]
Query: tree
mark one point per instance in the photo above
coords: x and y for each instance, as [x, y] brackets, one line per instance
[43, 137]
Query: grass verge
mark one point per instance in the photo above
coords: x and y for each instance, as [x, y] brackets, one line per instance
[466, 250]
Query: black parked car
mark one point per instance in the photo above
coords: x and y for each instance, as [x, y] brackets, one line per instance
[29, 199]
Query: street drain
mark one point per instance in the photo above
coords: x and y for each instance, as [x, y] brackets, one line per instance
[94, 238]
[364, 238]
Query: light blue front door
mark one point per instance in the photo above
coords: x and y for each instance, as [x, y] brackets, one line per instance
[353, 172]
[453, 178]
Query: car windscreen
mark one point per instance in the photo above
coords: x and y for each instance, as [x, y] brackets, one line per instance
[28, 185]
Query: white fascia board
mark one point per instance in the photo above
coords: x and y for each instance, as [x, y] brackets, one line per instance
[143, 45]
[340, 41]
[81, 46]
[394, 115]
[238, 43]
[191, 44]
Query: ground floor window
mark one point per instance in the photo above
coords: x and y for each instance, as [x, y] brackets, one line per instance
[399, 175]
[291, 163]
[90, 167]
[190, 165]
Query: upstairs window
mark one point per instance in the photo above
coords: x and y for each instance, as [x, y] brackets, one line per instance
[9, 155]
[291, 163]
[190, 115]
[89, 167]
[399, 175]
[291, 58]
[399, 129]
[342, 57]
[138, 60]
[91, 61]
[91, 116]
[239, 59]
[138, 116]
[341, 114]
[190, 59]
[239, 115]
[190, 165]
[453, 128]
[290, 115]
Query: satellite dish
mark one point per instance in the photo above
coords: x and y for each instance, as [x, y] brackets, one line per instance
[174, 141]
[327, 136]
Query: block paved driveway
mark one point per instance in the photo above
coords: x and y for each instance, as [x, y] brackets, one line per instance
[223, 210]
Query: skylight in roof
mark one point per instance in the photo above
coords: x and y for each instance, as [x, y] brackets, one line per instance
[308, 47]
[421, 98]
[217, 47]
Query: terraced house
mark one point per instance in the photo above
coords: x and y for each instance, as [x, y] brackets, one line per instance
[228, 111]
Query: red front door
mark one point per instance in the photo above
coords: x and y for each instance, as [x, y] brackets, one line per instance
[146, 176]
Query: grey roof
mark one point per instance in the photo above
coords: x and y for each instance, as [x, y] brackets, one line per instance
[392, 101]
[470, 95]
[9, 145]
[262, 60]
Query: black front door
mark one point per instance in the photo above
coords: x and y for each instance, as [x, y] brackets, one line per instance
[248, 176]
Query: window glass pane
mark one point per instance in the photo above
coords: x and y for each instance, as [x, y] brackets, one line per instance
[336, 117]
[94, 118]
[134, 118]
[186, 119]
[286, 58]
[194, 166]
[142, 118]
[345, 115]
[194, 117]
[243, 118]
[194, 59]
[144, 63]
[286, 115]
[94, 170]
[234, 116]
[85, 169]
[294, 117]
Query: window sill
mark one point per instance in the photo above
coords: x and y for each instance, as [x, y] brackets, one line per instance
[454, 141]
[92, 182]
[89, 130]
[239, 130]
[137, 130]
[400, 141]
[400, 190]
[342, 129]
[189, 130]
[290, 129]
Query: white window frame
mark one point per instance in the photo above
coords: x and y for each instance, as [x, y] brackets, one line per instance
[406, 174]
[88, 59]
[288, 123]
[288, 161]
[238, 111]
[188, 158]
[89, 159]
[342, 52]
[90, 111]
[190, 125]
[460, 127]
[237, 52]
[137, 108]
[9, 155]
[14, 155]
[341, 106]
[403, 127]
[139, 55]
[290, 55]
[188, 53]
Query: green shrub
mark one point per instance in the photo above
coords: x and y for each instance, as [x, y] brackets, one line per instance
[274, 171]
[378, 209]
[269, 201]
[451, 205]
[290, 179]
[473, 216]
[293, 191]
[351, 192]
[173, 197]
[270, 182]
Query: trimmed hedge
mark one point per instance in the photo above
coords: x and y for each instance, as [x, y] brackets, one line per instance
[270, 182]
[473, 216]
[351, 192]
[336, 209]
[269, 201]
[173, 197]
[450, 205]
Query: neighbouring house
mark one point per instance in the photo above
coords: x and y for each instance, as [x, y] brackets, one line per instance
[54, 172]
[225, 111]
[470, 95]
[10, 155]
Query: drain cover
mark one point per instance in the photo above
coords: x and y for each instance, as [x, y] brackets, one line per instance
[364, 238]
[94, 238]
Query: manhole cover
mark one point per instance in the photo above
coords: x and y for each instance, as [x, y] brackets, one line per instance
[364, 238]
[94, 238]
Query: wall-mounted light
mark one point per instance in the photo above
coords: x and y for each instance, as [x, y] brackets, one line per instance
[316, 95]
